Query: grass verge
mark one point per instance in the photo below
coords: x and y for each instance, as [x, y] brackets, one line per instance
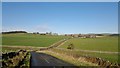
[69, 59]
[108, 57]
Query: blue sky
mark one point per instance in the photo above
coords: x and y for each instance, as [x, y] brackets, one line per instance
[61, 17]
[60, 0]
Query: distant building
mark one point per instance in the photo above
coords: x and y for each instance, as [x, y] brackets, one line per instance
[82, 35]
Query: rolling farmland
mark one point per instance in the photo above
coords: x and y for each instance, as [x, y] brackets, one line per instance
[86, 46]
[97, 44]
[30, 40]
[109, 44]
[52, 34]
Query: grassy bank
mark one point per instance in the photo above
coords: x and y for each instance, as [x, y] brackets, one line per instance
[108, 57]
[69, 59]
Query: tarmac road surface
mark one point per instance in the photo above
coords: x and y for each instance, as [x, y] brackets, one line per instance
[41, 60]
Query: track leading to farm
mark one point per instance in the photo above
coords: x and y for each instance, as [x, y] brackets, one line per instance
[41, 59]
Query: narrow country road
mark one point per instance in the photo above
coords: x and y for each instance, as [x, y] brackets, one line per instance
[41, 59]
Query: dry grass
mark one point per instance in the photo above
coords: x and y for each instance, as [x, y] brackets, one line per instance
[70, 59]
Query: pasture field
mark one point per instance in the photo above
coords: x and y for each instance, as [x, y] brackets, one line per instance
[30, 39]
[107, 43]
[96, 44]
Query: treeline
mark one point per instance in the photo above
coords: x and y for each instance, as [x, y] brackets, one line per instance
[14, 32]
[114, 35]
[107, 34]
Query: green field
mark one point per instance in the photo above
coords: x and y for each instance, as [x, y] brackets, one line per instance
[109, 44]
[97, 44]
[30, 39]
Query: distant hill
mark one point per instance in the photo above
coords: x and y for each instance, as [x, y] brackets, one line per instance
[14, 32]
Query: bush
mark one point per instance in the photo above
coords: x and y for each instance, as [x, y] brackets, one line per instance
[19, 59]
[70, 46]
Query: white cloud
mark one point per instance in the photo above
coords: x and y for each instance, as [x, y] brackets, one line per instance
[42, 28]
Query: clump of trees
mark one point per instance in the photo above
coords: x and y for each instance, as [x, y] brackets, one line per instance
[114, 35]
[14, 32]
[47, 33]
[70, 46]
[36, 33]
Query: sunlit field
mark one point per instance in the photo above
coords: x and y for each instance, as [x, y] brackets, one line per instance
[107, 43]
[97, 44]
[30, 40]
